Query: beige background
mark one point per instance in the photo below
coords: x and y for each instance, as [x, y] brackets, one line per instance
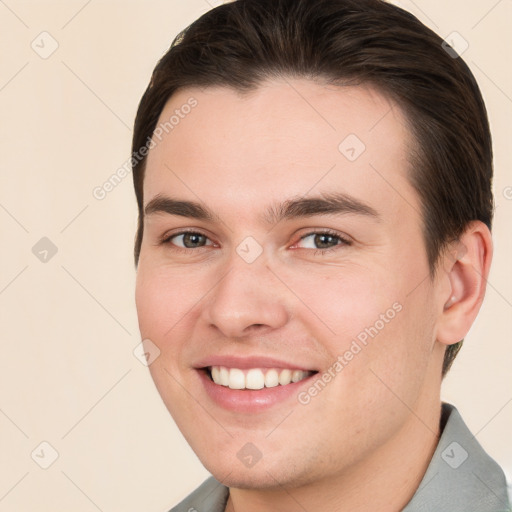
[68, 374]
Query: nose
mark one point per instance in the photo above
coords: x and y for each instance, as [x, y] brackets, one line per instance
[249, 299]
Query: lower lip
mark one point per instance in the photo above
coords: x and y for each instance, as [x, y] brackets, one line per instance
[250, 400]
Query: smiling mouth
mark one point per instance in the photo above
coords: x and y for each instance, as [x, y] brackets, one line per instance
[255, 378]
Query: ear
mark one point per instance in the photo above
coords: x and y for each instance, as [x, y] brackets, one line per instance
[464, 268]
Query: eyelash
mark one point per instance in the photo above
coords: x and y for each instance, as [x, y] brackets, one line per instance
[166, 239]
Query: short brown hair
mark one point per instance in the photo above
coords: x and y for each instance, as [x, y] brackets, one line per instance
[340, 42]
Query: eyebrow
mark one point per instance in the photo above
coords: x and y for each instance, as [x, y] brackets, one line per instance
[325, 204]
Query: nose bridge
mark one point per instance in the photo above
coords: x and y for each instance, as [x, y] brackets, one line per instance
[247, 294]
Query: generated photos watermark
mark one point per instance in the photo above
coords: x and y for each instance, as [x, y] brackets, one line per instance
[360, 342]
[101, 191]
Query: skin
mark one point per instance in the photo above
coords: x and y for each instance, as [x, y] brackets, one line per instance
[365, 441]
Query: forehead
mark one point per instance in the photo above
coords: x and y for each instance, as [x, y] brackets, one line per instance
[286, 137]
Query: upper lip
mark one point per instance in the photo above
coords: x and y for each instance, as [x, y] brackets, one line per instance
[244, 363]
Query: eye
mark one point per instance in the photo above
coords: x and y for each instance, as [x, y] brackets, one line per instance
[188, 240]
[321, 240]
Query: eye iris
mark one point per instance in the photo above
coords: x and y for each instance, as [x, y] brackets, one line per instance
[324, 240]
[191, 240]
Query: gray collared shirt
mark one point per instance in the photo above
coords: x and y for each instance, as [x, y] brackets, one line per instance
[461, 477]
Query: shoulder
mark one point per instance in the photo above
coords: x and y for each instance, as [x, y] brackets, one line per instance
[210, 496]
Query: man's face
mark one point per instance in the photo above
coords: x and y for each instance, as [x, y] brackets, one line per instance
[339, 290]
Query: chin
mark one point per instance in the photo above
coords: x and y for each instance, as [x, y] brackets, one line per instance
[264, 474]
[251, 479]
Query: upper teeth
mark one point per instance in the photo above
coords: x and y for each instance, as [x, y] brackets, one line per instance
[255, 378]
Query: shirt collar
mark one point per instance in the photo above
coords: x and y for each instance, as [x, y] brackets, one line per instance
[460, 476]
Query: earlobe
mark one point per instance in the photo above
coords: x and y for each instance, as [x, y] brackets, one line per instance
[466, 265]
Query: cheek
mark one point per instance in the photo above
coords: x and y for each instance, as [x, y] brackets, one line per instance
[391, 369]
[373, 326]
[163, 300]
[151, 301]
[164, 295]
[345, 304]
